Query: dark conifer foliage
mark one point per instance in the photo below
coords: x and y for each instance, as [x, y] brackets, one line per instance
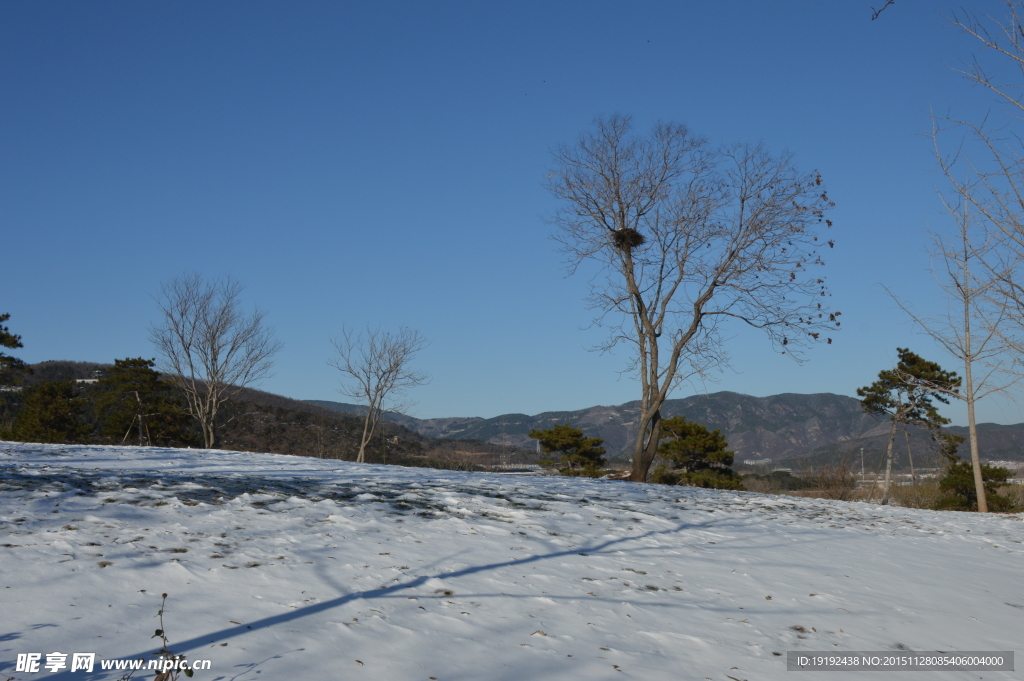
[134, 405]
[53, 411]
[11, 368]
[698, 456]
[906, 395]
[959, 490]
[960, 494]
[580, 455]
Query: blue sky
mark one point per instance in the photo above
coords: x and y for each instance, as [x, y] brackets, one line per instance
[382, 163]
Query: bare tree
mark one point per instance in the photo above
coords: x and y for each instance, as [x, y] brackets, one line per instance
[208, 347]
[687, 238]
[375, 369]
[834, 480]
[985, 168]
[983, 164]
[971, 327]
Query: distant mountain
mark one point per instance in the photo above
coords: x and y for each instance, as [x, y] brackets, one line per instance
[792, 429]
[996, 442]
[780, 427]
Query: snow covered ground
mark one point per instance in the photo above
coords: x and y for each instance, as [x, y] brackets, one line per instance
[282, 567]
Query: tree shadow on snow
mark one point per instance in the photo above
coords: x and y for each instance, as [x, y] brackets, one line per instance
[396, 590]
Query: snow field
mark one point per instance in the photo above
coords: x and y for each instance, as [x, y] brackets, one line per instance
[287, 567]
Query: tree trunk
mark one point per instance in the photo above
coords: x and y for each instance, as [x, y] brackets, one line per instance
[913, 474]
[138, 401]
[888, 458]
[206, 413]
[979, 481]
[365, 439]
[646, 448]
[888, 464]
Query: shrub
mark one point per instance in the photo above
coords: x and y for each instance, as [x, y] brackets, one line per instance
[834, 481]
[776, 481]
[698, 457]
[582, 456]
[958, 492]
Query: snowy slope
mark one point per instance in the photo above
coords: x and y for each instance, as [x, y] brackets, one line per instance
[283, 567]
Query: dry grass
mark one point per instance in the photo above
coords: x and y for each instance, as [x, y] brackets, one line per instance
[924, 495]
[1014, 493]
[835, 481]
[447, 459]
[853, 495]
[761, 486]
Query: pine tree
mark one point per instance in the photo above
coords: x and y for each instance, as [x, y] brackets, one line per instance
[133, 403]
[905, 394]
[698, 456]
[52, 412]
[957, 485]
[960, 494]
[10, 367]
[581, 455]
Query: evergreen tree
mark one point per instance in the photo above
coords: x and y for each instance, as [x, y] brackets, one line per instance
[948, 444]
[905, 394]
[957, 485]
[581, 455]
[698, 456]
[10, 367]
[960, 494]
[134, 404]
[52, 412]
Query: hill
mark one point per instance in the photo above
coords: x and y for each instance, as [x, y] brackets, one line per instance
[285, 567]
[62, 370]
[256, 420]
[784, 428]
[791, 429]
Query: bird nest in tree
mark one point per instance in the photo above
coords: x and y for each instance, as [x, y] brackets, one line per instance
[627, 238]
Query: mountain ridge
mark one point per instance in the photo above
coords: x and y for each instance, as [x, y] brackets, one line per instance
[783, 427]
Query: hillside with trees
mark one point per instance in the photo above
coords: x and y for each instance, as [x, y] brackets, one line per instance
[95, 403]
[787, 427]
[793, 430]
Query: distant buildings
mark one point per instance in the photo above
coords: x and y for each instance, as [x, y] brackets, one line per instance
[1011, 465]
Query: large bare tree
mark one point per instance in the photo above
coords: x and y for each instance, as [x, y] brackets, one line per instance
[375, 369]
[688, 238]
[208, 346]
[983, 164]
[983, 161]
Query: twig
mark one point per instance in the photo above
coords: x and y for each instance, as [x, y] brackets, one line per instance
[876, 12]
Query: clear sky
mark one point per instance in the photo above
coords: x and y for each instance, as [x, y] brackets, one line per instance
[382, 163]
